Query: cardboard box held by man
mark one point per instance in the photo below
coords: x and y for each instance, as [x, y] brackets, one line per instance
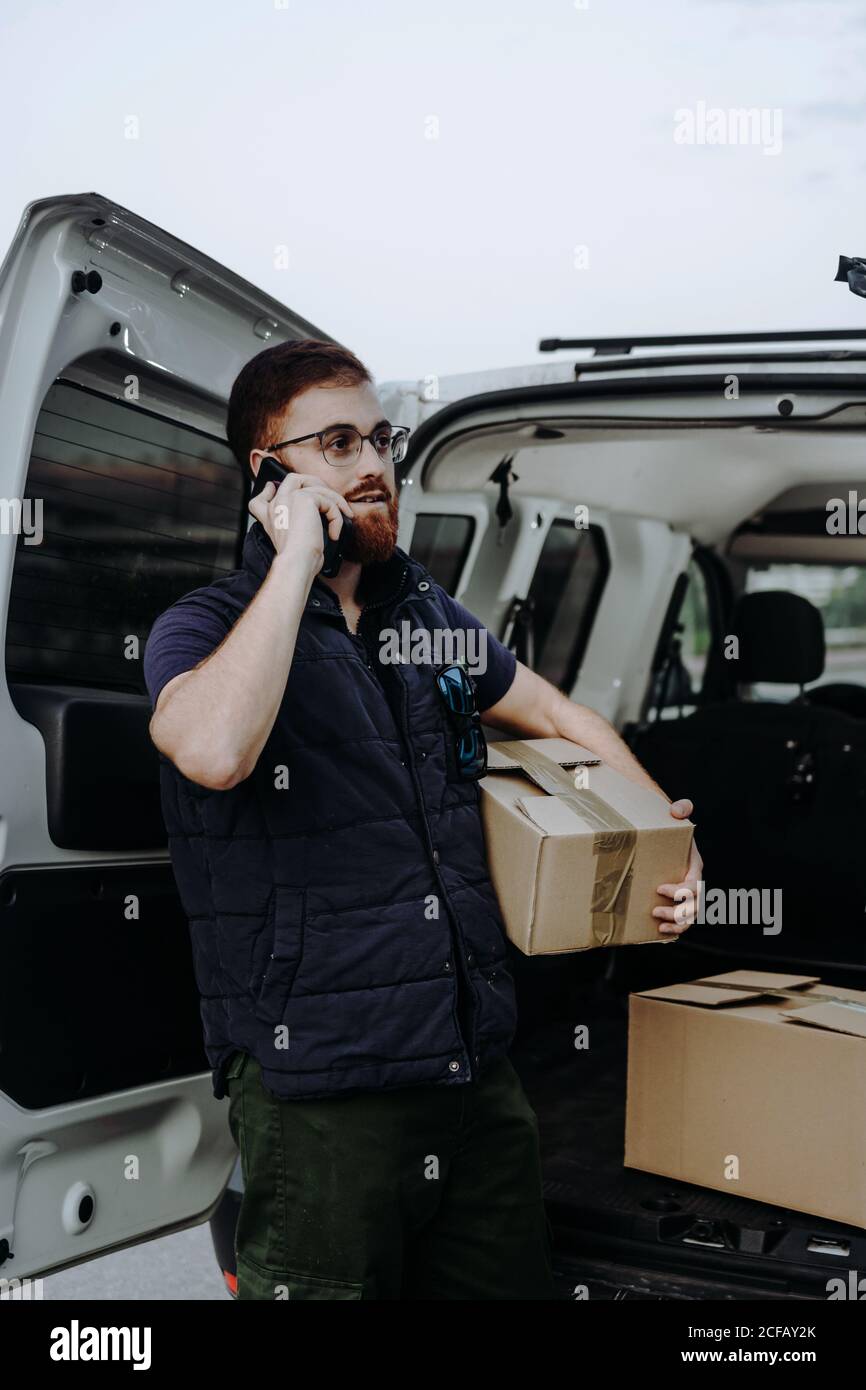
[576, 850]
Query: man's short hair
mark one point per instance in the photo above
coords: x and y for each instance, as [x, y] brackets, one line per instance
[269, 381]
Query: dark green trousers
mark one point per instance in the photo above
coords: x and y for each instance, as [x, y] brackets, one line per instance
[420, 1192]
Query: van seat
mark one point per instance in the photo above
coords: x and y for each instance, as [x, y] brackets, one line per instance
[779, 788]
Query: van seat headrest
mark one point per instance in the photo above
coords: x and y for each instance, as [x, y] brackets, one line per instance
[781, 638]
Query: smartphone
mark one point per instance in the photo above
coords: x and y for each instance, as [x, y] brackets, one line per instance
[272, 471]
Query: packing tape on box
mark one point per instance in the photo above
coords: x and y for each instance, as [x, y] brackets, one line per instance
[614, 840]
[775, 990]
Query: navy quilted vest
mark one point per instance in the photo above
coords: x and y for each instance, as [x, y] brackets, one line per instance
[344, 928]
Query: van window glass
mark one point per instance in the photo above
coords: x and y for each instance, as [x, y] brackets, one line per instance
[136, 510]
[440, 542]
[695, 621]
[563, 596]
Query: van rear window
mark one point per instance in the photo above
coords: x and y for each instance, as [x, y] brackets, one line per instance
[136, 510]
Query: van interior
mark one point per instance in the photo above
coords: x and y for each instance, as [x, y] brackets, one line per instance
[715, 531]
[624, 532]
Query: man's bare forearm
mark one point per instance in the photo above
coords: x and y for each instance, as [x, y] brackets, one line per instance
[536, 709]
[583, 725]
[216, 721]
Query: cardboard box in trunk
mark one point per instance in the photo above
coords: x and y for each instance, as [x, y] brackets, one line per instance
[576, 866]
[752, 1083]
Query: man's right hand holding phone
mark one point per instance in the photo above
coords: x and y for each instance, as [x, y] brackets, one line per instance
[290, 514]
[213, 720]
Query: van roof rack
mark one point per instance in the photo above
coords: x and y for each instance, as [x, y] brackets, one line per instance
[608, 347]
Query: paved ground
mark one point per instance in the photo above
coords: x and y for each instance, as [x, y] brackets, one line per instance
[182, 1266]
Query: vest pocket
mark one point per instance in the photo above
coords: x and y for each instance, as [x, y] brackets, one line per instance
[286, 923]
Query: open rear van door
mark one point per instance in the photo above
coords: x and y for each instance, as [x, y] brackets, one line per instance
[118, 347]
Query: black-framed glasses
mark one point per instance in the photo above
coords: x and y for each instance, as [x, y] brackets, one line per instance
[458, 694]
[341, 444]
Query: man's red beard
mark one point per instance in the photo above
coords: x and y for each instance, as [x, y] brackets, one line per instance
[374, 535]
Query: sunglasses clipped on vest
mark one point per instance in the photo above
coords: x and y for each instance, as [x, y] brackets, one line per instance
[457, 690]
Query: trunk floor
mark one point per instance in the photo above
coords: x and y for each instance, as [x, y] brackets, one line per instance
[579, 1097]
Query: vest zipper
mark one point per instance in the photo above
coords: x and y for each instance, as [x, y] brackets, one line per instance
[400, 725]
[352, 634]
[434, 860]
[391, 598]
[369, 607]
[431, 850]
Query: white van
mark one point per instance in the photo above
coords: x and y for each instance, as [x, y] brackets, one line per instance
[610, 514]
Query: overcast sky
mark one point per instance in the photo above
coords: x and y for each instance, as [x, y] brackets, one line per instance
[454, 181]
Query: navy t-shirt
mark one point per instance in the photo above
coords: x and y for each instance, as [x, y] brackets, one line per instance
[195, 626]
